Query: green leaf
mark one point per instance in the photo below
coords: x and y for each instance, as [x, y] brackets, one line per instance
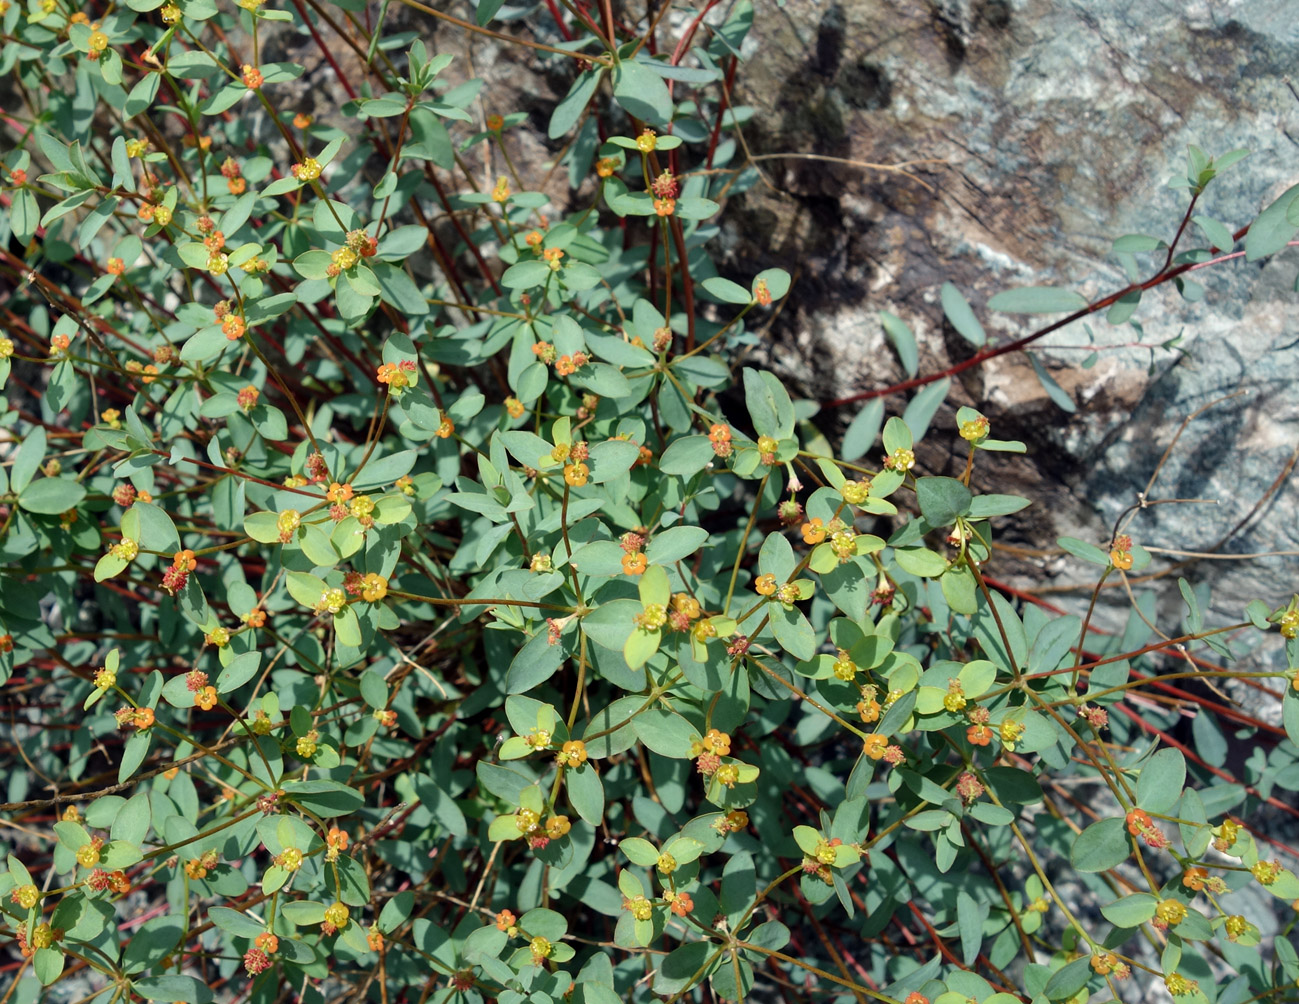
[611, 459]
[235, 922]
[897, 436]
[641, 646]
[1160, 783]
[777, 280]
[1053, 390]
[960, 589]
[1066, 982]
[569, 110]
[25, 215]
[1137, 243]
[485, 10]
[1124, 307]
[535, 663]
[306, 589]
[204, 344]
[904, 342]
[396, 911]
[1290, 714]
[1037, 300]
[585, 793]
[921, 409]
[942, 500]
[25, 463]
[686, 456]
[679, 968]
[688, 208]
[1273, 229]
[51, 496]
[173, 988]
[48, 965]
[962, 317]
[727, 291]
[374, 691]
[985, 506]
[526, 275]
[920, 561]
[675, 543]
[863, 431]
[970, 917]
[108, 566]
[325, 798]
[134, 751]
[769, 405]
[238, 671]
[263, 527]
[1102, 846]
[642, 92]
[1087, 552]
[316, 545]
[792, 631]
[1219, 236]
[665, 732]
[1130, 911]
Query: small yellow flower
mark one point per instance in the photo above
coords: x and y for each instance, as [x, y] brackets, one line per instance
[1267, 872]
[975, 429]
[26, 896]
[337, 914]
[88, 854]
[653, 617]
[1171, 911]
[855, 492]
[526, 820]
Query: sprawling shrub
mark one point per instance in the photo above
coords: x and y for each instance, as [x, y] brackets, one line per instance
[409, 596]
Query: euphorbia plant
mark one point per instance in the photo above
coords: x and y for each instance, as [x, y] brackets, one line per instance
[458, 636]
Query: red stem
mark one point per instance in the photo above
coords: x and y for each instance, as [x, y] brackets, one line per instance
[991, 353]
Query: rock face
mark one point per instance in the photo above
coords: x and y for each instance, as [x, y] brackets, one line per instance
[1060, 126]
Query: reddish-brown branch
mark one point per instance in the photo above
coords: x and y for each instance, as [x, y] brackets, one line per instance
[983, 355]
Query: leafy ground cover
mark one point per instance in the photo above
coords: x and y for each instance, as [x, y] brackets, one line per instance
[491, 631]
